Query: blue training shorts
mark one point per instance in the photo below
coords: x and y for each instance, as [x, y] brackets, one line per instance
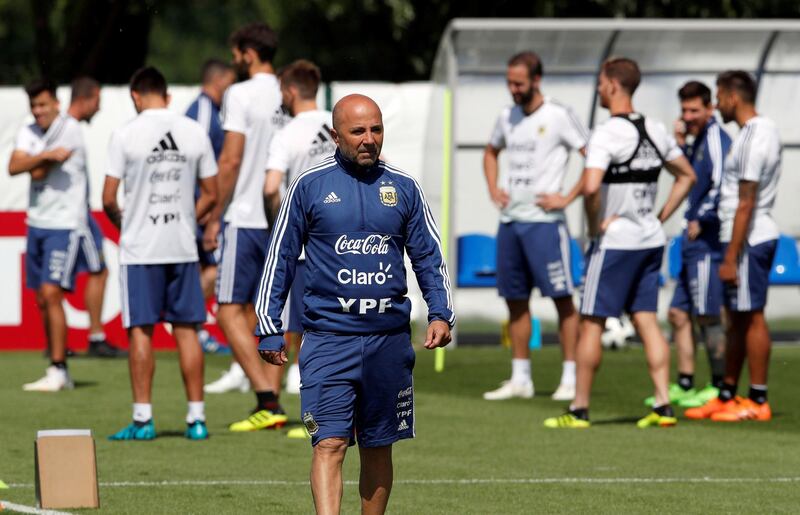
[165, 292]
[755, 263]
[620, 280]
[51, 257]
[699, 289]
[357, 387]
[241, 264]
[533, 255]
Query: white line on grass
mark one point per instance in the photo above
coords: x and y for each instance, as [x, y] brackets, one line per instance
[21, 508]
[473, 481]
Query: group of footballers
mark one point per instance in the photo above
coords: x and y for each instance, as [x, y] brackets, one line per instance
[201, 192]
[216, 174]
[728, 242]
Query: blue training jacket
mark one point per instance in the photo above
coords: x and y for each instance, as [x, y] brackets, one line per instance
[707, 155]
[206, 113]
[356, 226]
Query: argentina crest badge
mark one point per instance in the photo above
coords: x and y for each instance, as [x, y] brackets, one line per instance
[388, 194]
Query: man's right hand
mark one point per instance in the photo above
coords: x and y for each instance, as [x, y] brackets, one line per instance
[276, 357]
[679, 129]
[58, 155]
[500, 197]
[210, 235]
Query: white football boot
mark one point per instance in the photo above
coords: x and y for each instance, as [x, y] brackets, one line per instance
[232, 379]
[509, 389]
[564, 392]
[54, 380]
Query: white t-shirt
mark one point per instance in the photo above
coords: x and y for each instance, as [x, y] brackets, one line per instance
[755, 155]
[537, 148]
[302, 143]
[614, 142]
[59, 200]
[159, 156]
[252, 108]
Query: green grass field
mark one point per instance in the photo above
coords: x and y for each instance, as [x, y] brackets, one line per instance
[470, 455]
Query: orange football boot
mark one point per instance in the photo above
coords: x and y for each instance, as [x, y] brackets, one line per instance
[708, 409]
[746, 409]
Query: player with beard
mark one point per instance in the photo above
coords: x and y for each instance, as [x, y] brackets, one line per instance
[537, 135]
[251, 114]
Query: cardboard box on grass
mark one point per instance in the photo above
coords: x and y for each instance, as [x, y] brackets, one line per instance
[66, 469]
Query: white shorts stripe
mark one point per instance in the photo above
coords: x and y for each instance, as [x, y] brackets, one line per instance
[126, 307]
[743, 291]
[90, 250]
[592, 280]
[564, 244]
[72, 257]
[228, 271]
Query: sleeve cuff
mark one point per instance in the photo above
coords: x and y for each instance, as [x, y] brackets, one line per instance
[272, 342]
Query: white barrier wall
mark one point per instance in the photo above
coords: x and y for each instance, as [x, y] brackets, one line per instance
[406, 109]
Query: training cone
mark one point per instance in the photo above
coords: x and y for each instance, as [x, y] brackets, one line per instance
[3, 486]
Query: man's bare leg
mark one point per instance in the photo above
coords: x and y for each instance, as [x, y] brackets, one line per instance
[714, 339]
[681, 324]
[759, 347]
[735, 349]
[587, 357]
[141, 363]
[375, 481]
[93, 297]
[191, 360]
[326, 475]
[236, 325]
[55, 321]
[208, 280]
[568, 323]
[519, 328]
[657, 352]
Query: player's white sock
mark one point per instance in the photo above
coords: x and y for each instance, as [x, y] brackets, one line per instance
[142, 411]
[97, 337]
[521, 371]
[568, 372]
[197, 411]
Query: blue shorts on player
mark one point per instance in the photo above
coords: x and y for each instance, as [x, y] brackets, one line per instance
[52, 257]
[699, 289]
[533, 254]
[294, 305]
[241, 264]
[621, 280]
[357, 387]
[755, 263]
[161, 293]
[91, 257]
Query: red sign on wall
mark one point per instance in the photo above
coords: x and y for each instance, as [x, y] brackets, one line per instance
[20, 321]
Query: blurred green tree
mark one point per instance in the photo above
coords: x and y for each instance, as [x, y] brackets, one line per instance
[391, 40]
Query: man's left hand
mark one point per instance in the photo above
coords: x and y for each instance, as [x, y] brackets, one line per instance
[438, 334]
[727, 272]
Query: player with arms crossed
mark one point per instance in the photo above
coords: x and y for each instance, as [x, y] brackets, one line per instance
[698, 293]
[620, 183]
[301, 144]
[533, 242]
[160, 155]
[251, 114]
[750, 235]
[52, 150]
[356, 217]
